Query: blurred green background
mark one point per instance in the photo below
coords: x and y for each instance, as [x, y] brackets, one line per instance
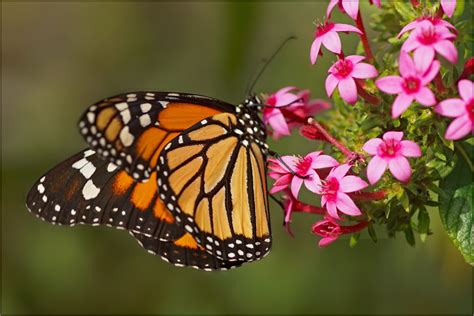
[59, 58]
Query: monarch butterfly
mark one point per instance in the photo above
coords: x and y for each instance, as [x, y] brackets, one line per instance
[184, 173]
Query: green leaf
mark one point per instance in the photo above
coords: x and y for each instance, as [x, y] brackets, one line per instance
[409, 236]
[405, 202]
[354, 239]
[456, 210]
[372, 233]
[423, 223]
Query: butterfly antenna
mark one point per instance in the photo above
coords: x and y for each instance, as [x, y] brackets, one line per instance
[250, 89]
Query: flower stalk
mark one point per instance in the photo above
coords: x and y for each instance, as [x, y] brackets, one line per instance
[329, 138]
[364, 39]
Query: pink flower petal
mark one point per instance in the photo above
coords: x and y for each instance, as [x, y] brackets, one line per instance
[425, 97]
[345, 204]
[411, 43]
[326, 241]
[401, 103]
[331, 6]
[331, 84]
[400, 168]
[448, 7]
[338, 27]
[410, 26]
[314, 182]
[451, 108]
[406, 65]
[351, 7]
[332, 209]
[278, 188]
[390, 84]
[315, 47]
[284, 90]
[278, 123]
[355, 59]
[466, 89]
[447, 49]
[352, 184]
[423, 58]
[348, 90]
[286, 99]
[372, 145]
[430, 73]
[284, 180]
[392, 135]
[376, 169]
[313, 155]
[410, 149]
[332, 42]
[459, 128]
[364, 71]
[296, 183]
[324, 161]
[340, 171]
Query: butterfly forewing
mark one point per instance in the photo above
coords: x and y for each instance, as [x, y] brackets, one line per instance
[88, 190]
[131, 129]
[213, 180]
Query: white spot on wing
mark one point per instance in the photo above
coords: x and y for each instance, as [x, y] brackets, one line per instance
[41, 188]
[90, 191]
[125, 116]
[145, 120]
[88, 170]
[145, 107]
[126, 137]
[111, 167]
[121, 106]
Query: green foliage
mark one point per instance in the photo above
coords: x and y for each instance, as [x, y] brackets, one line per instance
[456, 210]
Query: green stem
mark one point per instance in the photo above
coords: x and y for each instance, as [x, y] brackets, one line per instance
[464, 155]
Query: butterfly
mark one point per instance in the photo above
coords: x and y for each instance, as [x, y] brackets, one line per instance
[185, 174]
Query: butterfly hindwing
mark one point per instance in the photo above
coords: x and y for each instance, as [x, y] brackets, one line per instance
[213, 180]
[184, 251]
[85, 189]
[131, 129]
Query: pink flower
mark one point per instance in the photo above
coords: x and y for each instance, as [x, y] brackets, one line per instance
[448, 7]
[295, 171]
[412, 85]
[462, 109]
[273, 116]
[342, 74]
[390, 152]
[333, 191]
[282, 120]
[326, 34]
[329, 229]
[351, 7]
[435, 21]
[427, 39]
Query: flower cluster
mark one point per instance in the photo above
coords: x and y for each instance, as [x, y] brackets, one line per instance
[393, 132]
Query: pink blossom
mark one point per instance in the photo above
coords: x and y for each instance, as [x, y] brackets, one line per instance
[334, 189]
[448, 7]
[391, 152]
[342, 74]
[295, 171]
[462, 109]
[273, 116]
[326, 34]
[427, 39]
[412, 85]
[329, 229]
[296, 114]
[351, 7]
[435, 21]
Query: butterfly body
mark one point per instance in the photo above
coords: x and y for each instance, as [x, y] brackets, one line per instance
[184, 173]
